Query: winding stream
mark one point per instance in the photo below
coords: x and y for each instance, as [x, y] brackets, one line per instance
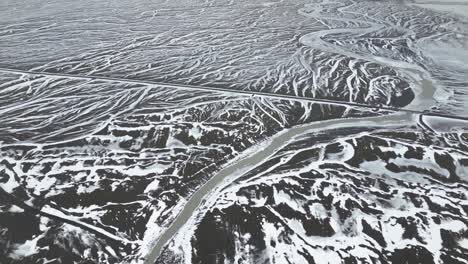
[199, 201]
[424, 99]
[229, 173]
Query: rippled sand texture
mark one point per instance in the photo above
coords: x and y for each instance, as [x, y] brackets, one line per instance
[110, 121]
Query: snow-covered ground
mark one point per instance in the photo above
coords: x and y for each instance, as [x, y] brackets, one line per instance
[102, 144]
[458, 7]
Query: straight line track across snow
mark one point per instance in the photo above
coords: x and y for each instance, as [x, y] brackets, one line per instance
[226, 90]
